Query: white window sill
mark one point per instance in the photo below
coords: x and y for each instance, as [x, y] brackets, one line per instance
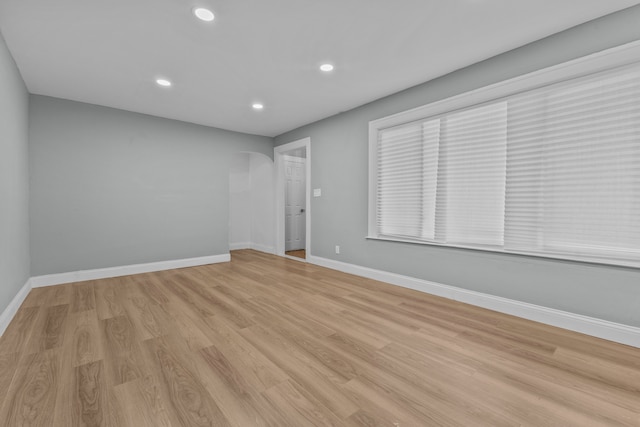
[556, 257]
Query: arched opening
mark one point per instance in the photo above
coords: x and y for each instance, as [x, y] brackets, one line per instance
[251, 202]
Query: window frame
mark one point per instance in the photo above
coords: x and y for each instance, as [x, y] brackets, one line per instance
[600, 61]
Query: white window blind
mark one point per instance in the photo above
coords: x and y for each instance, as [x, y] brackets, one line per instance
[443, 179]
[553, 171]
[573, 184]
[407, 171]
[472, 178]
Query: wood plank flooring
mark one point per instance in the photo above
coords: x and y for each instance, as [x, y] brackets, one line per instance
[301, 253]
[268, 341]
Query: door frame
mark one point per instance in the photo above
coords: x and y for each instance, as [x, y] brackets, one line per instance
[278, 156]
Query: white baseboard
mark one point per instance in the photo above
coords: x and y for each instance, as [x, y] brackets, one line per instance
[263, 248]
[14, 305]
[103, 273]
[251, 245]
[611, 331]
[241, 245]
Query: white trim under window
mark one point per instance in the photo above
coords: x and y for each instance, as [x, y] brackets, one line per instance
[546, 164]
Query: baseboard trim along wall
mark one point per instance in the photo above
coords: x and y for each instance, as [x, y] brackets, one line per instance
[14, 305]
[611, 331]
[254, 246]
[263, 248]
[241, 245]
[103, 273]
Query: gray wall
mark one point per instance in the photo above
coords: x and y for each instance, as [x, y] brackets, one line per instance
[14, 179]
[339, 149]
[112, 188]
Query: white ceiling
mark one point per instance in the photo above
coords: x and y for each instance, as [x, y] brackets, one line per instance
[110, 52]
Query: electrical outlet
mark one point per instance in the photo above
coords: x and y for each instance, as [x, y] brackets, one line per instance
[337, 249]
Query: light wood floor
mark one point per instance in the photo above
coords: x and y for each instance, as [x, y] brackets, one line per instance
[267, 341]
[300, 253]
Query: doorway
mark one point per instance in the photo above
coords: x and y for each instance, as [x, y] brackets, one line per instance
[292, 199]
[295, 203]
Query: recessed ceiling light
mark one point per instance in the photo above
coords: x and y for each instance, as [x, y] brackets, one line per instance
[257, 106]
[326, 67]
[163, 82]
[203, 14]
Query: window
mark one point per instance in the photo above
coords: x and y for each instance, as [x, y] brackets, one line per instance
[407, 175]
[472, 176]
[547, 165]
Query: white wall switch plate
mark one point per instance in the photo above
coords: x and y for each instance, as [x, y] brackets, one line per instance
[317, 192]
